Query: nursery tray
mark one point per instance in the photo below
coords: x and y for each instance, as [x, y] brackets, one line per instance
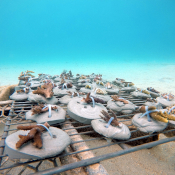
[62, 163]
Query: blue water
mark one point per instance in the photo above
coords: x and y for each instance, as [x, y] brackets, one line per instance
[93, 33]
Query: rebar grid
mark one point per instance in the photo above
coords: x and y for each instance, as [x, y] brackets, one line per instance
[18, 110]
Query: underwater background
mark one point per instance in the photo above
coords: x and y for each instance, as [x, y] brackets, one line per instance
[134, 40]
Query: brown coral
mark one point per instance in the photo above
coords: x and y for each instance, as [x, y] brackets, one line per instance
[23, 78]
[45, 90]
[69, 85]
[20, 91]
[89, 100]
[75, 93]
[23, 91]
[152, 90]
[39, 109]
[116, 98]
[34, 134]
[107, 117]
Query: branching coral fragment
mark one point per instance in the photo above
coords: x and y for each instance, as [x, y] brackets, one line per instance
[152, 90]
[46, 90]
[75, 93]
[116, 98]
[89, 100]
[39, 109]
[107, 118]
[35, 133]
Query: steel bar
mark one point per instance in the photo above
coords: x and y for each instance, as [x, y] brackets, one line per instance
[97, 159]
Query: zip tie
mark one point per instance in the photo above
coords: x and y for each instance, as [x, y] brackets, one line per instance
[49, 106]
[109, 122]
[171, 109]
[64, 85]
[46, 129]
[93, 101]
[148, 112]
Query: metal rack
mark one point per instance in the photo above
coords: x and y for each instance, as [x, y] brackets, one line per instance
[57, 163]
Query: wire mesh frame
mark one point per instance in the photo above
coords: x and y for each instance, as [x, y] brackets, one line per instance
[18, 107]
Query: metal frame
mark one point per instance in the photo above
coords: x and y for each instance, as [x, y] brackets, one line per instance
[16, 112]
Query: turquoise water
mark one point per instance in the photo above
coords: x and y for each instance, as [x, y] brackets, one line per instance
[84, 35]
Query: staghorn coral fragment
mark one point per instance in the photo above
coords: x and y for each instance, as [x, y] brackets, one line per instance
[20, 91]
[151, 100]
[116, 98]
[39, 109]
[89, 100]
[75, 93]
[46, 90]
[23, 78]
[107, 117]
[152, 90]
[35, 133]
[69, 85]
